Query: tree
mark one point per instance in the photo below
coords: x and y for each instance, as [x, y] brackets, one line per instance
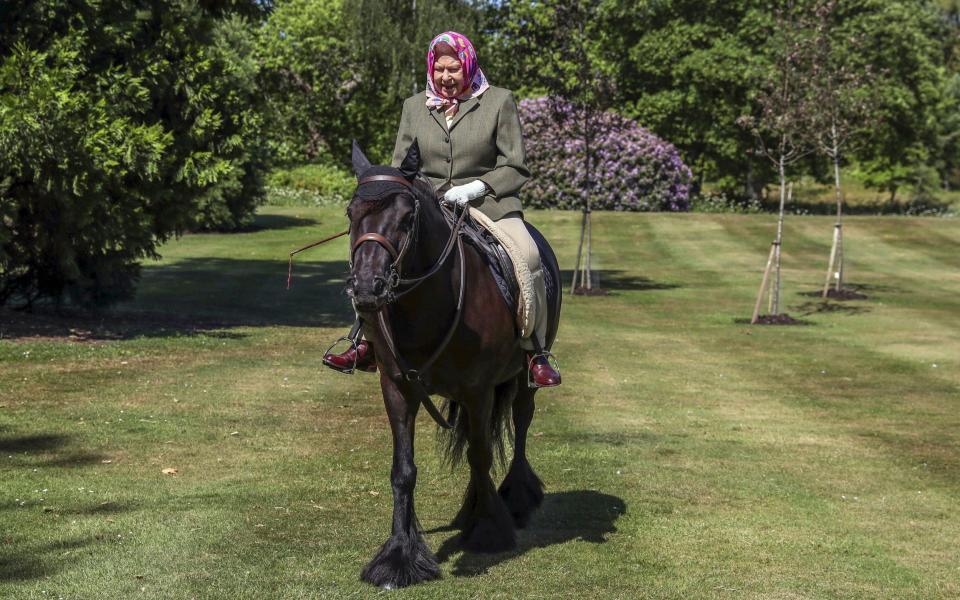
[904, 45]
[557, 41]
[114, 125]
[337, 71]
[783, 119]
[684, 69]
[844, 102]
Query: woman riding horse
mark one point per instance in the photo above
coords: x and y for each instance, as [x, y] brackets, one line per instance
[472, 150]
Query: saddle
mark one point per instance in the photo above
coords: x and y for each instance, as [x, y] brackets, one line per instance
[475, 232]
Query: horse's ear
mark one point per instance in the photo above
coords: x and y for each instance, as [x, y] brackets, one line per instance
[411, 162]
[360, 161]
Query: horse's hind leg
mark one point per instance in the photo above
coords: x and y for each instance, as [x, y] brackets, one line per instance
[521, 489]
[404, 558]
[486, 523]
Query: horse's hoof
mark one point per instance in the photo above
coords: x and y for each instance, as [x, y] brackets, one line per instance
[522, 491]
[491, 534]
[402, 561]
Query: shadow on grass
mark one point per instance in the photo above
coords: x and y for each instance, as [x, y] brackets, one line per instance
[46, 450]
[618, 280]
[22, 559]
[583, 515]
[813, 307]
[32, 443]
[268, 221]
[21, 562]
[202, 297]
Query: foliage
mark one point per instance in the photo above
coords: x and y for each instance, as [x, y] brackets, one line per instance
[784, 111]
[686, 69]
[232, 86]
[329, 183]
[903, 44]
[719, 202]
[119, 127]
[336, 71]
[635, 170]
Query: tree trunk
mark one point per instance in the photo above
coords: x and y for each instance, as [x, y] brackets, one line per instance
[589, 271]
[775, 291]
[588, 148]
[576, 270]
[835, 267]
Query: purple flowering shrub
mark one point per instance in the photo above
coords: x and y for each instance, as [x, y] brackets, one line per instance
[636, 170]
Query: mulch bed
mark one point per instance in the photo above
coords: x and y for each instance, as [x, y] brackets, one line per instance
[781, 319]
[582, 291]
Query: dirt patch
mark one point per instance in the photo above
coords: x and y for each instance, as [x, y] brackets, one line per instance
[582, 291]
[781, 319]
[79, 326]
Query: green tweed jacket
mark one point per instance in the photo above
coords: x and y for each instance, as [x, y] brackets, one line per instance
[484, 142]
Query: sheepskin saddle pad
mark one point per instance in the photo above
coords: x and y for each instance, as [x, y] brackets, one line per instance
[508, 265]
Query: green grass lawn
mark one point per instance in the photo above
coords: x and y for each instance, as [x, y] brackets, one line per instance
[685, 456]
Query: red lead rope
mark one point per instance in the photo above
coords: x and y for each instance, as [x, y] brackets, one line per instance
[307, 247]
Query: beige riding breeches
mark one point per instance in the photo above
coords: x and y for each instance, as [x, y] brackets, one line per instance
[517, 231]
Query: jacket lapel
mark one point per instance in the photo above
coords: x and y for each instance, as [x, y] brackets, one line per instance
[438, 118]
[465, 107]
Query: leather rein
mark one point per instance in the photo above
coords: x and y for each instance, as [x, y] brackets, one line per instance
[398, 286]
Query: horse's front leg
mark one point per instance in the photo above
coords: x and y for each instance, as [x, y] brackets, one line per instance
[404, 558]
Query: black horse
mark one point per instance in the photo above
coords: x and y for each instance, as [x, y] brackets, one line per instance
[428, 300]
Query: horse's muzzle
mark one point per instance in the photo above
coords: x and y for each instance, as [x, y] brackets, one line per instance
[367, 296]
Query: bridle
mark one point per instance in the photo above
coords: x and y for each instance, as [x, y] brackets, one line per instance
[398, 286]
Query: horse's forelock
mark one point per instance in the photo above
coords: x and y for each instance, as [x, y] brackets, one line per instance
[378, 196]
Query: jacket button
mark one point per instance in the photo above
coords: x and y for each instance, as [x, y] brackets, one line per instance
[446, 140]
[448, 159]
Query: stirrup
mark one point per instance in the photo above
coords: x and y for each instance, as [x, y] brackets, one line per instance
[353, 344]
[551, 360]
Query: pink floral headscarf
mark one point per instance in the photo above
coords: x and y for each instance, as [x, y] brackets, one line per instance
[467, 55]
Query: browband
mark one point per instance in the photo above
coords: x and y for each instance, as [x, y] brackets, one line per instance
[392, 178]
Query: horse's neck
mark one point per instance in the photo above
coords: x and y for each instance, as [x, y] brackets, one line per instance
[429, 301]
[434, 231]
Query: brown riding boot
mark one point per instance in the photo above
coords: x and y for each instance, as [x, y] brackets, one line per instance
[542, 373]
[360, 358]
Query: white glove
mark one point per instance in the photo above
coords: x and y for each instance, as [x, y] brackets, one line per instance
[462, 194]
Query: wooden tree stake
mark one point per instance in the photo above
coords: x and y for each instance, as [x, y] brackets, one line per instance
[763, 285]
[833, 260]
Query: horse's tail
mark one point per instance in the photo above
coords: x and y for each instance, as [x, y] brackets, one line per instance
[453, 441]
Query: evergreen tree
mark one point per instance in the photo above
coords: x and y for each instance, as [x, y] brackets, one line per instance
[118, 122]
